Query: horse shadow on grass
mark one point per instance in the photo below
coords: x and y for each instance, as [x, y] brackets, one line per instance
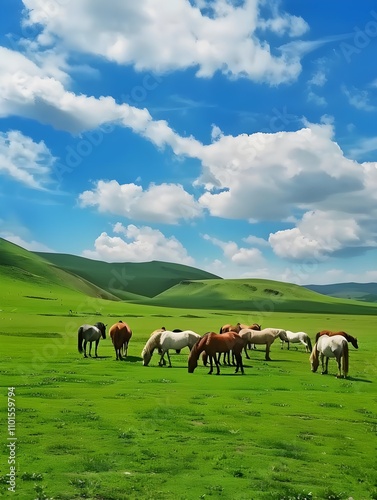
[131, 359]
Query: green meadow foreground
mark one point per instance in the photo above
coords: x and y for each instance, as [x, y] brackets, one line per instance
[106, 429]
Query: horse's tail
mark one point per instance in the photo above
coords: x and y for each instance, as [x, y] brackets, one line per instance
[317, 336]
[345, 359]
[80, 339]
[309, 342]
[221, 330]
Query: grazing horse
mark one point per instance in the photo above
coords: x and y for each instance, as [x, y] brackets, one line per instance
[347, 336]
[212, 344]
[165, 340]
[297, 338]
[266, 336]
[90, 333]
[327, 347]
[120, 334]
[236, 328]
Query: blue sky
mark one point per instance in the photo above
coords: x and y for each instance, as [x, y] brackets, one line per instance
[238, 137]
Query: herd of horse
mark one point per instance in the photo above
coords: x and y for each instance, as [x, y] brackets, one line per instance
[231, 341]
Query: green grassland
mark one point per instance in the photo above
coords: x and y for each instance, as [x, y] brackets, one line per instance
[115, 430]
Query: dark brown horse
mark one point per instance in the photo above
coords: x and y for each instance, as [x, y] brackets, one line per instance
[212, 343]
[120, 334]
[347, 336]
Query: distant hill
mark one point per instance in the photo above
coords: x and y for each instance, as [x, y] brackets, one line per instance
[128, 280]
[20, 265]
[366, 292]
[45, 275]
[256, 295]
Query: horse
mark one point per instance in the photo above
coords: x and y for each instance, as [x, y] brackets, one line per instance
[335, 346]
[347, 336]
[165, 340]
[90, 333]
[297, 338]
[212, 343]
[178, 351]
[236, 328]
[266, 336]
[120, 334]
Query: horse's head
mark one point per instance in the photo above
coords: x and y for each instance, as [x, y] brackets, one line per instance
[146, 354]
[354, 342]
[102, 328]
[314, 359]
[193, 358]
[283, 335]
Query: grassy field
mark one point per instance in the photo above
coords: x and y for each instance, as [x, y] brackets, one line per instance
[101, 429]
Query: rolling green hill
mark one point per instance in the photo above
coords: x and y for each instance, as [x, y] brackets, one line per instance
[39, 275]
[24, 269]
[128, 280]
[257, 295]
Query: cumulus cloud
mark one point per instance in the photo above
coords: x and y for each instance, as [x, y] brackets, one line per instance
[138, 244]
[239, 256]
[24, 160]
[171, 35]
[164, 203]
[320, 234]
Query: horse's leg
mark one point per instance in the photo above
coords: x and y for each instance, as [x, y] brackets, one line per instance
[211, 363]
[267, 357]
[167, 354]
[85, 342]
[325, 364]
[162, 361]
[239, 363]
[246, 354]
[217, 367]
[339, 360]
[97, 342]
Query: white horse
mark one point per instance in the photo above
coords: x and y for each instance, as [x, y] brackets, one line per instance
[330, 347]
[296, 338]
[165, 340]
[266, 336]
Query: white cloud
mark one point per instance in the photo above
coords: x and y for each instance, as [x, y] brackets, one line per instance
[317, 99]
[359, 99]
[164, 203]
[138, 244]
[244, 257]
[318, 235]
[24, 160]
[171, 35]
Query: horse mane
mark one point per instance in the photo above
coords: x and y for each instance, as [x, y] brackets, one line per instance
[153, 341]
[314, 360]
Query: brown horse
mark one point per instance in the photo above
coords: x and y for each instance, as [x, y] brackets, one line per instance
[212, 343]
[120, 334]
[347, 336]
[237, 328]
